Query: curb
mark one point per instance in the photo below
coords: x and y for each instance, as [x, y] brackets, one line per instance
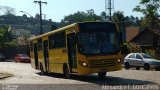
[5, 75]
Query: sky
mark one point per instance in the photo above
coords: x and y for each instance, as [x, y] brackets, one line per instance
[57, 9]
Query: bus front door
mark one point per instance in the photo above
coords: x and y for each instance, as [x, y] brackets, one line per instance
[36, 55]
[46, 55]
[71, 43]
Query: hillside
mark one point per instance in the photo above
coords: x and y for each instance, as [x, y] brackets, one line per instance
[28, 23]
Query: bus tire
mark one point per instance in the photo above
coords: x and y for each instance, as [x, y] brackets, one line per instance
[102, 75]
[66, 72]
[126, 65]
[146, 66]
[42, 69]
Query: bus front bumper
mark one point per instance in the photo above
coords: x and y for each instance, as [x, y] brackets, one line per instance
[87, 70]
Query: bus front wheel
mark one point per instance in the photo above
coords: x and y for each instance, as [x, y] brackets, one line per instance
[66, 71]
[102, 75]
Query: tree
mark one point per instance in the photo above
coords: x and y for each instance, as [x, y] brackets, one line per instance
[118, 16]
[6, 38]
[132, 21]
[76, 17]
[37, 16]
[90, 12]
[24, 16]
[103, 16]
[150, 9]
[91, 16]
[54, 27]
[81, 17]
[6, 10]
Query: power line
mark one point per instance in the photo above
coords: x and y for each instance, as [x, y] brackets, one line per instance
[40, 6]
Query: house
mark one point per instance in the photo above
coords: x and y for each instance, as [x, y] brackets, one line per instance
[20, 32]
[148, 39]
[131, 32]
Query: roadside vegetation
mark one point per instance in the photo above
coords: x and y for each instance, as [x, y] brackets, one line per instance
[6, 38]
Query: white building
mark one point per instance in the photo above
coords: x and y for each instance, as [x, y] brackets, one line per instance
[20, 32]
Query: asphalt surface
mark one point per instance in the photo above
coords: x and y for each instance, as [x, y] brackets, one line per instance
[27, 78]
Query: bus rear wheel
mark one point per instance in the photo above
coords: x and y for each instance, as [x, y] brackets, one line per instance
[102, 75]
[66, 72]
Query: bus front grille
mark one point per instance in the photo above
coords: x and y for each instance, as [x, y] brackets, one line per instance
[101, 63]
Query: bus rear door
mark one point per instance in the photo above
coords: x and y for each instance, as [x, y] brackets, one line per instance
[46, 55]
[71, 43]
[36, 55]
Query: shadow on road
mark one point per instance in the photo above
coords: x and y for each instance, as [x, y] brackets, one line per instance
[8, 60]
[109, 80]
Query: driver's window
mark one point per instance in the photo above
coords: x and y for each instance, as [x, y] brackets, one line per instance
[138, 56]
[132, 56]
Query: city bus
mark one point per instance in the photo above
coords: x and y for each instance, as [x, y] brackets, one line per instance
[80, 48]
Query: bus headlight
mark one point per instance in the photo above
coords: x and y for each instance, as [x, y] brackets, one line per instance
[82, 63]
[118, 60]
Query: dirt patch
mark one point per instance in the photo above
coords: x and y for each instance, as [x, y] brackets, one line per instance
[5, 75]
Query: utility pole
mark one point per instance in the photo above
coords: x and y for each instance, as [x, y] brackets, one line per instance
[109, 7]
[40, 6]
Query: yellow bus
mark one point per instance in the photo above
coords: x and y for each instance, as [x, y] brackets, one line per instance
[79, 48]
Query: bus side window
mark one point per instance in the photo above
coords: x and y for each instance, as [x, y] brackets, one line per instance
[62, 39]
[54, 41]
[57, 40]
[51, 42]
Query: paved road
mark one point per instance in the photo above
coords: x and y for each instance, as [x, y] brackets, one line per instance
[25, 78]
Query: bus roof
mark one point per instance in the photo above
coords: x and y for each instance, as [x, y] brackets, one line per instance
[57, 30]
[63, 28]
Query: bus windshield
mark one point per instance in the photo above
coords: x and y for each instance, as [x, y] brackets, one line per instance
[98, 42]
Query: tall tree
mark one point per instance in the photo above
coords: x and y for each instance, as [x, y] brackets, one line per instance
[81, 17]
[118, 16]
[6, 10]
[6, 38]
[104, 16]
[91, 16]
[150, 9]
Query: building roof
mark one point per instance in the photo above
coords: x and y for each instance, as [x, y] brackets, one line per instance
[148, 38]
[154, 31]
[131, 32]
